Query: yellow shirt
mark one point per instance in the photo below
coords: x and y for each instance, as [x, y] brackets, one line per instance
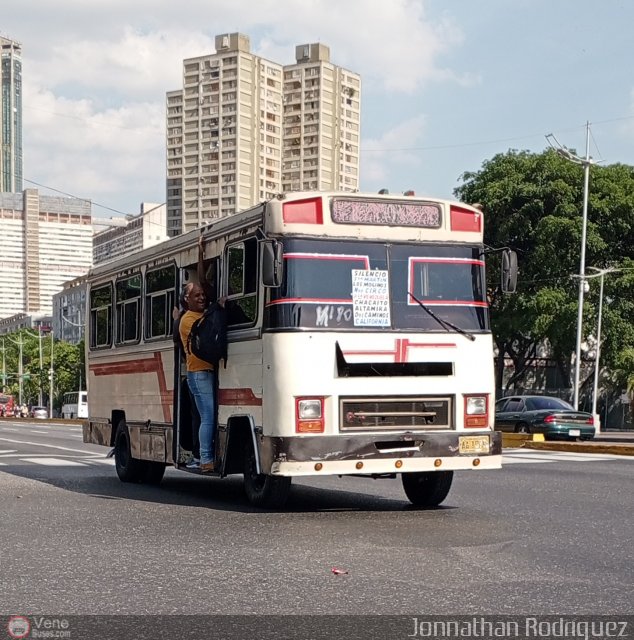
[185, 326]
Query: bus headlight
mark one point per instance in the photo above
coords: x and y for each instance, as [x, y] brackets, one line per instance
[476, 411]
[309, 415]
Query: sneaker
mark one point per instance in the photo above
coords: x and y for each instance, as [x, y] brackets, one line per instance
[194, 463]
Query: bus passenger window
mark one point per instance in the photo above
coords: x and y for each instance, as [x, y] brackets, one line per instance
[101, 317]
[242, 278]
[128, 309]
[160, 285]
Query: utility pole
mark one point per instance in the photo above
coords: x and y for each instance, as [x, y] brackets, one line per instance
[20, 343]
[4, 368]
[50, 403]
[585, 162]
[39, 336]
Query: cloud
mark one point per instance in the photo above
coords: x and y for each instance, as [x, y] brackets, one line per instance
[383, 159]
[95, 85]
[93, 154]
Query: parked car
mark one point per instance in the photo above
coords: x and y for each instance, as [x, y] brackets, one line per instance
[39, 412]
[553, 417]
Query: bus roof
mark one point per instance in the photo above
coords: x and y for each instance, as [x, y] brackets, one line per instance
[328, 214]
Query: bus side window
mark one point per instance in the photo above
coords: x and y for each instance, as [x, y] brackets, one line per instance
[242, 278]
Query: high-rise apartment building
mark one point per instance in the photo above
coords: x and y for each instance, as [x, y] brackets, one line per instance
[321, 123]
[10, 116]
[46, 240]
[243, 129]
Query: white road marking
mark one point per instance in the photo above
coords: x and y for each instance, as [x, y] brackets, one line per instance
[108, 461]
[54, 462]
[51, 446]
[524, 456]
[9, 429]
[3, 451]
[39, 432]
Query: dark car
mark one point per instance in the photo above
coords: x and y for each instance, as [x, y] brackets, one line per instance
[553, 417]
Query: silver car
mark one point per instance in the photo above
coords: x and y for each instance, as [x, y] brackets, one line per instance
[39, 412]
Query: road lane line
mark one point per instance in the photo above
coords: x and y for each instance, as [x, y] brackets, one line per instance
[53, 462]
[51, 446]
[3, 451]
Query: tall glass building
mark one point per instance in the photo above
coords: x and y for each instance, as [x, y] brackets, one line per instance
[11, 116]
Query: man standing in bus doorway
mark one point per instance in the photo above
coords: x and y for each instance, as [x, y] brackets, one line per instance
[200, 376]
[177, 314]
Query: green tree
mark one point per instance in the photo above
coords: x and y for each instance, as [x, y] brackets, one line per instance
[532, 203]
[68, 367]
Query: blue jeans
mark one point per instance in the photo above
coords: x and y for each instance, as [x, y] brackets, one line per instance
[201, 384]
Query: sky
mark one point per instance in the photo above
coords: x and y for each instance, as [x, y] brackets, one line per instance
[446, 84]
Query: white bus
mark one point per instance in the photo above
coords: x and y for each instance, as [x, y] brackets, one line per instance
[363, 346]
[75, 405]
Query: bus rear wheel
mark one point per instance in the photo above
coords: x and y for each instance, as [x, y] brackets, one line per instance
[427, 488]
[154, 472]
[129, 469]
[270, 492]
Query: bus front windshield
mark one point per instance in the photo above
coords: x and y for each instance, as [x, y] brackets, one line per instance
[345, 285]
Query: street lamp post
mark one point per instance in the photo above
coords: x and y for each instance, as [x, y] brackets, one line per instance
[600, 273]
[20, 344]
[595, 389]
[50, 402]
[39, 337]
[585, 162]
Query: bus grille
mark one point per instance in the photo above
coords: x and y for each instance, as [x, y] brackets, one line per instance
[406, 412]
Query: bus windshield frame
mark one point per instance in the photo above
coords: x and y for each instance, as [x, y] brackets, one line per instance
[365, 285]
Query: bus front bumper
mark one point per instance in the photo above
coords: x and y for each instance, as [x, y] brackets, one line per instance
[380, 454]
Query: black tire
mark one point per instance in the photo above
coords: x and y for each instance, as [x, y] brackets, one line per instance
[522, 428]
[270, 492]
[427, 488]
[129, 469]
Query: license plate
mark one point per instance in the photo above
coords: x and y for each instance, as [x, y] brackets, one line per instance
[474, 444]
[574, 432]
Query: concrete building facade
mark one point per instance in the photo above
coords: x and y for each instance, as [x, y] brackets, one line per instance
[243, 129]
[46, 241]
[132, 234]
[11, 162]
[69, 311]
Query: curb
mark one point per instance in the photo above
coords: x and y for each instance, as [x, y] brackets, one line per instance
[621, 449]
[537, 442]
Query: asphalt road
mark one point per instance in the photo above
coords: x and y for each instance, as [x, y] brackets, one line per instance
[549, 534]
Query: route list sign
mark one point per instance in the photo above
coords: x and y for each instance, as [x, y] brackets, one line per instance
[370, 298]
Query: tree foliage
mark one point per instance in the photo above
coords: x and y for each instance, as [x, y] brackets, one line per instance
[533, 203]
[68, 367]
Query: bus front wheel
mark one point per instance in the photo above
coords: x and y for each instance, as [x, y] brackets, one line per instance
[427, 488]
[270, 492]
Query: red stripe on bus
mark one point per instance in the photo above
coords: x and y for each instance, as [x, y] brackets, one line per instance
[308, 301]
[141, 365]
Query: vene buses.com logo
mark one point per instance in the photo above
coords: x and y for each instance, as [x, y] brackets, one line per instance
[18, 626]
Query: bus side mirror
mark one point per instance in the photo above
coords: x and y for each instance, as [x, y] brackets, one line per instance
[272, 263]
[509, 271]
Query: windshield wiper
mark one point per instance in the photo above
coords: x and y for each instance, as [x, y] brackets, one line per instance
[445, 323]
